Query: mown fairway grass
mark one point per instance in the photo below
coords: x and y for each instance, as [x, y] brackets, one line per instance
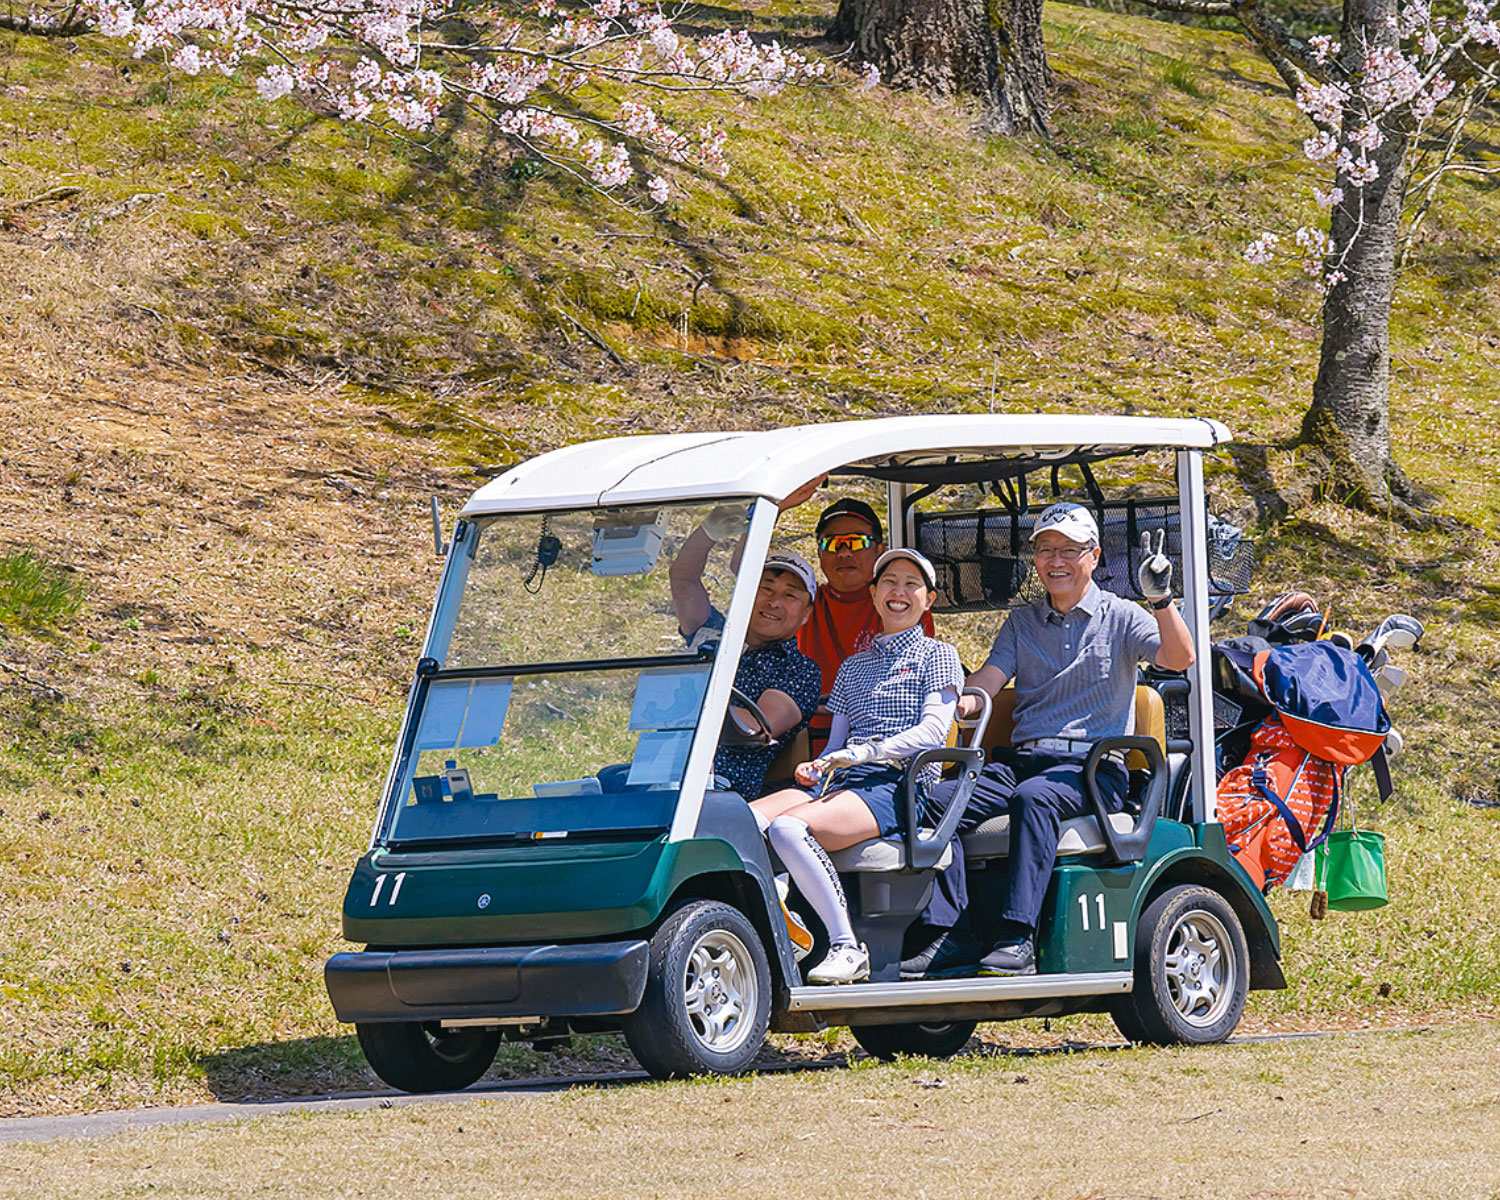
[237, 363]
[1410, 1115]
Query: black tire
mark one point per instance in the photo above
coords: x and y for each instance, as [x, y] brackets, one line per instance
[930, 1040]
[422, 1056]
[1192, 971]
[708, 994]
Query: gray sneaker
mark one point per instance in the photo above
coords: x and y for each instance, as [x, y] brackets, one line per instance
[1010, 958]
[953, 953]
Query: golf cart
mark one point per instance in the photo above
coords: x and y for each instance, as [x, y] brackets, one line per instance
[554, 854]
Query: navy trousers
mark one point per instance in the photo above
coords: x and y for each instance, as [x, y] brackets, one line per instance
[1040, 792]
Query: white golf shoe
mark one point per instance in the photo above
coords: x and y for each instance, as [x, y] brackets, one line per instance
[844, 964]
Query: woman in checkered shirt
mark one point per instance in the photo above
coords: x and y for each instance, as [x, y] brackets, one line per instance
[888, 702]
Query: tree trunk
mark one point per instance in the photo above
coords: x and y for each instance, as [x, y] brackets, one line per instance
[1349, 420]
[1025, 77]
[989, 49]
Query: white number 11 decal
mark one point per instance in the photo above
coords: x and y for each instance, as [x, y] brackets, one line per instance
[1083, 908]
[401, 878]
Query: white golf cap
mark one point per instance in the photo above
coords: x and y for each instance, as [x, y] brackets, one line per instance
[786, 560]
[929, 573]
[1071, 520]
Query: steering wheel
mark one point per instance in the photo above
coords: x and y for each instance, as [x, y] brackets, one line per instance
[738, 732]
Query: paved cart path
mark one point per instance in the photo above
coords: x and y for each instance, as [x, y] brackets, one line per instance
[105, 1124]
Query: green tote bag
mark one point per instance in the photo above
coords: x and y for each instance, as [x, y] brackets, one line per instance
[1351, 869]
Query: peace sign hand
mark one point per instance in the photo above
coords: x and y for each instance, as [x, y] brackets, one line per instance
[1154, 576]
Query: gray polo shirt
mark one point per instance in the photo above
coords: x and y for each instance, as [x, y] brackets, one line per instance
[1075, 674]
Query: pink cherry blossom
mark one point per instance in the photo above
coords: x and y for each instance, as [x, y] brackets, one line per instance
[613, 63]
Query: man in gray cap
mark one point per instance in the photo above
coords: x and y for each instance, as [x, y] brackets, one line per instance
[1073, 656]
[783, 682]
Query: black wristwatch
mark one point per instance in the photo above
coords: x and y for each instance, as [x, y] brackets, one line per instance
[1164, 602]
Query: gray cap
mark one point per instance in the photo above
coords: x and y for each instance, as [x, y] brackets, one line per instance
[786, 560]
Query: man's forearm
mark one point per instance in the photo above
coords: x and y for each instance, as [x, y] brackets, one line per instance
[689, 596]
[1176, 653]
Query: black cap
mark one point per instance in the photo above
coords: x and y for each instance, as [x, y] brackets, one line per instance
[851, 507]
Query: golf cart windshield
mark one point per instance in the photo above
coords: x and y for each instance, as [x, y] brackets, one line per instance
[560, 695]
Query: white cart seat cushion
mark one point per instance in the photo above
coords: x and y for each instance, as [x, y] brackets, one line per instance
[1080, 835]
[879, 854]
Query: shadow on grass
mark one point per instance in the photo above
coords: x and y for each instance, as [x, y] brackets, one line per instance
[266, 1071]
[334, 1068]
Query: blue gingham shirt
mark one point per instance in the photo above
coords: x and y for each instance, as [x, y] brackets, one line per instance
[1075, 673]
[881, 690]
[778, 665]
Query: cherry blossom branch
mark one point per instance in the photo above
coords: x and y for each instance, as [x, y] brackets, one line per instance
[546, 76]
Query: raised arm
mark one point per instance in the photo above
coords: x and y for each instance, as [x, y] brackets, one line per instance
[689, 596]
[1176, 653]
[801, 496]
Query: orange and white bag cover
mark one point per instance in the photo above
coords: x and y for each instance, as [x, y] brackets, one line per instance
[1258, 835]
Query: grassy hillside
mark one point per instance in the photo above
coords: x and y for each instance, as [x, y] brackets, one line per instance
[239, 358]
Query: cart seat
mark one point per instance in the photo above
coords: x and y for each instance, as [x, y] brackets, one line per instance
[1081, 835]
[881, 854]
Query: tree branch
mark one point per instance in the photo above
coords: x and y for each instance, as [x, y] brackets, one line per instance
[28, 25]
[1295, 66]
[1198, 8]
[57, 193]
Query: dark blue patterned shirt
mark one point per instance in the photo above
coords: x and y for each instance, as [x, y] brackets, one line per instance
[778, 665]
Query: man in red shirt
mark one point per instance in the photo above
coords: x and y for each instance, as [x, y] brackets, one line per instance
[843, 620]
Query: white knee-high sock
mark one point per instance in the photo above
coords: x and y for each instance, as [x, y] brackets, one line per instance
[814, 872]
[762, 822]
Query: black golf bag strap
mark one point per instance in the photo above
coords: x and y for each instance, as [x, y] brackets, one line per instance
[1381, 765]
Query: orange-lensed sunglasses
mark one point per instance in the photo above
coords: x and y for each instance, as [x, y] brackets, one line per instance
[834, 542]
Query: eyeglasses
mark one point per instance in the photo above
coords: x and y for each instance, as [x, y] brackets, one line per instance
[1066, 553]
[834, 542]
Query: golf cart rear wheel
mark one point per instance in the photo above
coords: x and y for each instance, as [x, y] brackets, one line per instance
[926, 1040]
[422, 1056]
[1192, 971]
[708, 994]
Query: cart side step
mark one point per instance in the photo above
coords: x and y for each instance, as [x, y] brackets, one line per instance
[847, 996]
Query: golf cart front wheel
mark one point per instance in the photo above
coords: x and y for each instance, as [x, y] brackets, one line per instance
[708, 994]
[422, 1056]
[1192, 971]
[926, 1040]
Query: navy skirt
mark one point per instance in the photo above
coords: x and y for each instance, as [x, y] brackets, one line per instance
[879, 785]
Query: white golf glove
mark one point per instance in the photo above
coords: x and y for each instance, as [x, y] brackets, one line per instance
[726, 521]
[1155, 572]
[849, 756]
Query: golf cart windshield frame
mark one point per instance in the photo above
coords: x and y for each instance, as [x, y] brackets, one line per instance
[697, 772]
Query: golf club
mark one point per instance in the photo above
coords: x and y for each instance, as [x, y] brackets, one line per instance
[1398, 631]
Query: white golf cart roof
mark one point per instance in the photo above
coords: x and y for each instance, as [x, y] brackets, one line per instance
[775, 462]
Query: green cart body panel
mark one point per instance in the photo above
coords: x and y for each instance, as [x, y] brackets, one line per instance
[539, 892]
[1089, 917]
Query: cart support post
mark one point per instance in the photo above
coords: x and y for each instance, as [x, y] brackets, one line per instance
[697, 774]
[1193, 508]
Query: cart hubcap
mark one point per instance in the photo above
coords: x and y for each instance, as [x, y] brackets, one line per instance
[1200, 968]
[719, 991]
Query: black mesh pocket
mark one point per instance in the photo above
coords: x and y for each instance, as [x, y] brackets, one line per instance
[983, 557]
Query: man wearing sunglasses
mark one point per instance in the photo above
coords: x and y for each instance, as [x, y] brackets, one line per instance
[844, 620]
[1073, 656]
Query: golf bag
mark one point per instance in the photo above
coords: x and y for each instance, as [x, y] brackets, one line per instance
[1327, 717]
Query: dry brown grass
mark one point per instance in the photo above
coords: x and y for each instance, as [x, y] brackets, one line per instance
[1410, 1115]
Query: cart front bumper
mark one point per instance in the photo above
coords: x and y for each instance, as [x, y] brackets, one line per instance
[505, 982]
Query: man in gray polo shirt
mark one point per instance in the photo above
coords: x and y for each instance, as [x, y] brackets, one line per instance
[1073, 657]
